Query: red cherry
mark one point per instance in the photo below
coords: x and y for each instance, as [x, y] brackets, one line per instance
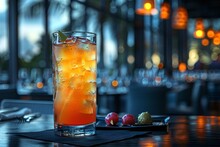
[128, 119]
[111, 119]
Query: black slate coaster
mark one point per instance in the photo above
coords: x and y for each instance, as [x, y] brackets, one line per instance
[101, 137]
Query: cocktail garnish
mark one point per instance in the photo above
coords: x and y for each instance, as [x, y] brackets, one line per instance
[144, 118]
[63, 37]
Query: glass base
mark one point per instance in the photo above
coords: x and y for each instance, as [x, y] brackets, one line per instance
[75, 131]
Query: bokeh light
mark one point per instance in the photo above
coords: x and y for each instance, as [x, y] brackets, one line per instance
[155, 59]
[182, 67]
[210, 33]
[130, 59]
[205, 42]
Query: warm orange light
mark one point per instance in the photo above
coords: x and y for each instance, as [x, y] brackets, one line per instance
[180, 18]
[180, 134]
[115, 83]
[148, 142]
[205, 42]
[201, 123]
[199, 34]
[40, 85]
[216, 39]
[199, 29]
[165, 10]
[160, 66]
[182, 67]
[147, 8]
[210, 33]
[199, 24]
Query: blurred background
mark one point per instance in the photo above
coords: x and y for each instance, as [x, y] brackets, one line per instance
[174, 44]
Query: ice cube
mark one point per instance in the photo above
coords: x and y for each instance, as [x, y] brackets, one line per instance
[64, 51]
[76, 82]
[90, 65]
[77, 70]
[87, 107]
[82, 43]
[90, 76]
[92, 51]
[90, 88]
[70, 39]
[88, 104]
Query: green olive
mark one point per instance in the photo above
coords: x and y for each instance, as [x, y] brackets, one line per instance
[144, 118]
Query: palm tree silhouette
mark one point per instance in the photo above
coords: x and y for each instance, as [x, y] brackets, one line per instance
[118, 20]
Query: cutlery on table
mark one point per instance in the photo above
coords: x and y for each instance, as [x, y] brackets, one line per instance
[8, 110]
[31, 116]
[14, 114]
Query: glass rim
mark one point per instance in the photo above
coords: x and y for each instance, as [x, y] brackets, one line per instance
[72, 32]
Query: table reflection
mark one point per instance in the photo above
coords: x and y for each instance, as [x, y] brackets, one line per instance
[187, 131]
[182, 131]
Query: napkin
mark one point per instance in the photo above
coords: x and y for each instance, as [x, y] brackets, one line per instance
[13, 115]
[101, 137]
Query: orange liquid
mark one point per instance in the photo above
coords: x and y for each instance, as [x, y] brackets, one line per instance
[74, 68]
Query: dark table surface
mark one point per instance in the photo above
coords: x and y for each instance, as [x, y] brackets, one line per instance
[183, 131]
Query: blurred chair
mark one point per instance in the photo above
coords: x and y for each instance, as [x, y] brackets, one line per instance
[196, 106]
[199, 98]
[213, 97]
[198, 93]
[213, 89]
[44, 107]
[8, 93]
[147, 98]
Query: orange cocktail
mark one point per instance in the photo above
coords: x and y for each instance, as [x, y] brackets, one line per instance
[74, 77]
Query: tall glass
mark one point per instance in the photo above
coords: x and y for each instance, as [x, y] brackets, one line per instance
[74, 80]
